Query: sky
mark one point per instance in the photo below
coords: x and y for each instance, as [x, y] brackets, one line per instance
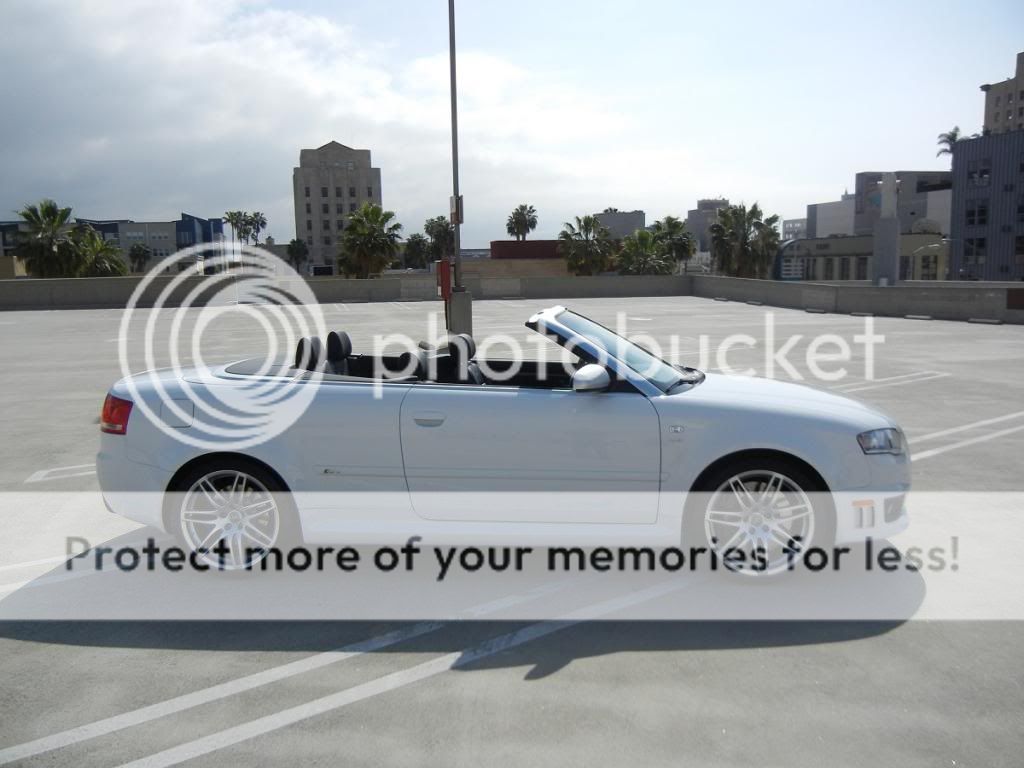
[143, 110]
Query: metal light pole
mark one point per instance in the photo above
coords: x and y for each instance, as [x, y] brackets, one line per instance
[460, 308]
[456, 206]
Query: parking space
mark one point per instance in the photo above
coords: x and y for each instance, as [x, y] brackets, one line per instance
[606, 692]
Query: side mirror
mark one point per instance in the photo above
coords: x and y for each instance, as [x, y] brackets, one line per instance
[591, 378]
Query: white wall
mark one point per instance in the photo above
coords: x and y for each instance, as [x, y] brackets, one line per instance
[835, 218]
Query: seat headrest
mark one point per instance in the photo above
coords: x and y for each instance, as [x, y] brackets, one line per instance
[309, 354]
[413, 362]
[339, 346]
[466, 344]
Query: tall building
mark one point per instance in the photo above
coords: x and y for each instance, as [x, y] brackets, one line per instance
[700, 219]
[794, 229]
[988, 207]
[622, 223]
[330, 184]
[916, 192]
[831, 219]
[162, 238]
[1004, 102]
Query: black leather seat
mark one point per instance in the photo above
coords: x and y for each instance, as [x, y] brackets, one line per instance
[461, 351]
[339, 349]
[309, 354]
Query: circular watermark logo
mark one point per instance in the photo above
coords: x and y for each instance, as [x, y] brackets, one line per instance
[211, 404]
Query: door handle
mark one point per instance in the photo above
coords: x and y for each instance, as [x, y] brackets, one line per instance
[429, 419]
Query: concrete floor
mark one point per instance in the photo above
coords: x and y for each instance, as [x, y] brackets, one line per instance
[468, 693]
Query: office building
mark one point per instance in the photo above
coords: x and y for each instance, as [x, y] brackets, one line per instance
[794, 229]
[831, 219]
[622, 223]
[988, 207]
[827, 259]
[329, 185]
[1004, 102]
[700, 219]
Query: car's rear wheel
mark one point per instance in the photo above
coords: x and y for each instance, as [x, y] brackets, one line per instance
[760, 514]
[230, 513]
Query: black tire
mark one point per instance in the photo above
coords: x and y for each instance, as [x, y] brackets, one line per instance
[276, 527]
[701, 523]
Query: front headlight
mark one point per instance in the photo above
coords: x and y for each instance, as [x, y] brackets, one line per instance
[881, 441]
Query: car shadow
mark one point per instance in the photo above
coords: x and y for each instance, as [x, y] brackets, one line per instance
[289, 612]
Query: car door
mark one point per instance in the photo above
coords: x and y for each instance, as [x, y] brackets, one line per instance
[515, 455]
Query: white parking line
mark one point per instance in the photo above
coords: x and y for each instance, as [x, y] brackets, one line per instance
[31, 563]
[965, 443]
[341, 307]
[59, 473]
[931, 375]
[396, 680]
[400, 306]
[913, 375]
[965, 427]
[256, 680]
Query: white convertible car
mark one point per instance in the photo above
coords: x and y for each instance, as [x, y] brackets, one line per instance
[618, 448]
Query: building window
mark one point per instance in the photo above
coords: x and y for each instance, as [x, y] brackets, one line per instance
[351, 191]
[862, 267]
[341, 225]
[309, 208]
[1020, 209]
[309, 224]
[997, 100]
[337, 191]
[974, 250]
[929, 267]
[350, 165]
[830, 269]
[979, 172]
[1019, 250]
[307, 191]
[977, 213]
[844, 268]
[309, 241]
[327, 239]
[369, 191]
[339, 208]
[351, 207]
[325, 208]
[327, 226]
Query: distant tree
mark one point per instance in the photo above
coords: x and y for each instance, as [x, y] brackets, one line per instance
[45, 245]
[417, 249]
[610, 210]
[442, 237]
[643, 254]
[138, 255]
[744, 242]
[96, 256]
[672, 234]
[255, 222]
[521, 221]
[947, 140]
[586, 245]
[370, 241]
[236, 219]
[298, 253]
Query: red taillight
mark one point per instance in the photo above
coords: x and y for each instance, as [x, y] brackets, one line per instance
[114, 418]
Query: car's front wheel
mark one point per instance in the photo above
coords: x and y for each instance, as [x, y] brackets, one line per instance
[230, 512]
[759, 515]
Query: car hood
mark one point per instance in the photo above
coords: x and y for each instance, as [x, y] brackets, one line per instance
[770, 394]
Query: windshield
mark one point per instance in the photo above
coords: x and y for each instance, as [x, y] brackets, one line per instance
[663, 375]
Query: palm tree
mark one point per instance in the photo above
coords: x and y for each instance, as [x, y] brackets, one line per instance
[743, 242]
[138, 255]
[97, 256]
[236, 219]
[586, 246]
[678, 241]
[416, 250]
[370, 241]
[643, 254]
[442, 237]
[256, 223]
[521, 221]
[947, 140]
[45, 245]
[298, 252]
